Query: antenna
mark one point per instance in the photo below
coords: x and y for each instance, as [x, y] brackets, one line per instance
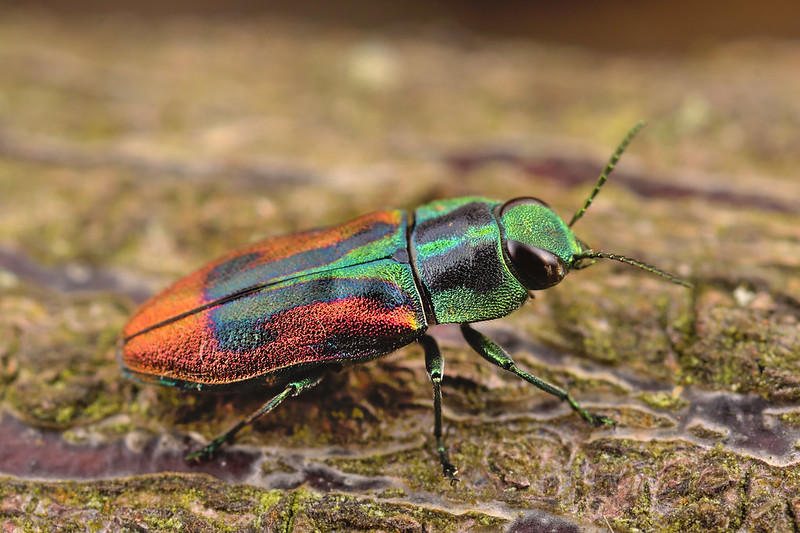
[607, 171]
[592, 254]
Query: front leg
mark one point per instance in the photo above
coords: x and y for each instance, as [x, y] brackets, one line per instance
[496, 355]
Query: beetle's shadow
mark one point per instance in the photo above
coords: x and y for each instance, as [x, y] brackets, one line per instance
[345, 406]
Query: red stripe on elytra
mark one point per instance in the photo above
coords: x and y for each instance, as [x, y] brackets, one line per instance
[188, 350]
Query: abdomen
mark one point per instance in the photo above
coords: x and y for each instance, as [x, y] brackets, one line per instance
[349, 297]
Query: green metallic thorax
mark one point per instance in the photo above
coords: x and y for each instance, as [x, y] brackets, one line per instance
[457, 247]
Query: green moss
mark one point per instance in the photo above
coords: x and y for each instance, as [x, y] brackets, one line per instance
[703, 432]
[791, 418]
[664, 400]
[268, 500]
[391, 493]
[65, 414]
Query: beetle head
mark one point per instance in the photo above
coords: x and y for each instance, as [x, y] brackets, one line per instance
[540, 248]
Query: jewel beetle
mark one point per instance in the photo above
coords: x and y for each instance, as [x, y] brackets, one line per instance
[280, 313]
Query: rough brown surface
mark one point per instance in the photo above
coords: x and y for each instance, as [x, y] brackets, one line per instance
[132, 151]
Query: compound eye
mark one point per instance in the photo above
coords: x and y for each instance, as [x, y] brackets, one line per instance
[537, 269]
[514, 202]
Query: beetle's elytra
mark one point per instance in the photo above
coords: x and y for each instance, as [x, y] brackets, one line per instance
[280, 312]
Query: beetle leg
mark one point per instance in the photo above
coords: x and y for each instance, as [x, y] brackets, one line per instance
[434, 363]
[292, 389]
[493, 353]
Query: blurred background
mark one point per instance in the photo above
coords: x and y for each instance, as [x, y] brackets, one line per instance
[138, 141]
[620, 25]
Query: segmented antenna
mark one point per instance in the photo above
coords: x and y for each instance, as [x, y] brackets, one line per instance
[592, 254]
[607, 170]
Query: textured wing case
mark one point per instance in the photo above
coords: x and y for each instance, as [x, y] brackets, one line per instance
[341, 294]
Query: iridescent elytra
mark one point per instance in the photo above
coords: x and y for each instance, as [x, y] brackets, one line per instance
[280, 313]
